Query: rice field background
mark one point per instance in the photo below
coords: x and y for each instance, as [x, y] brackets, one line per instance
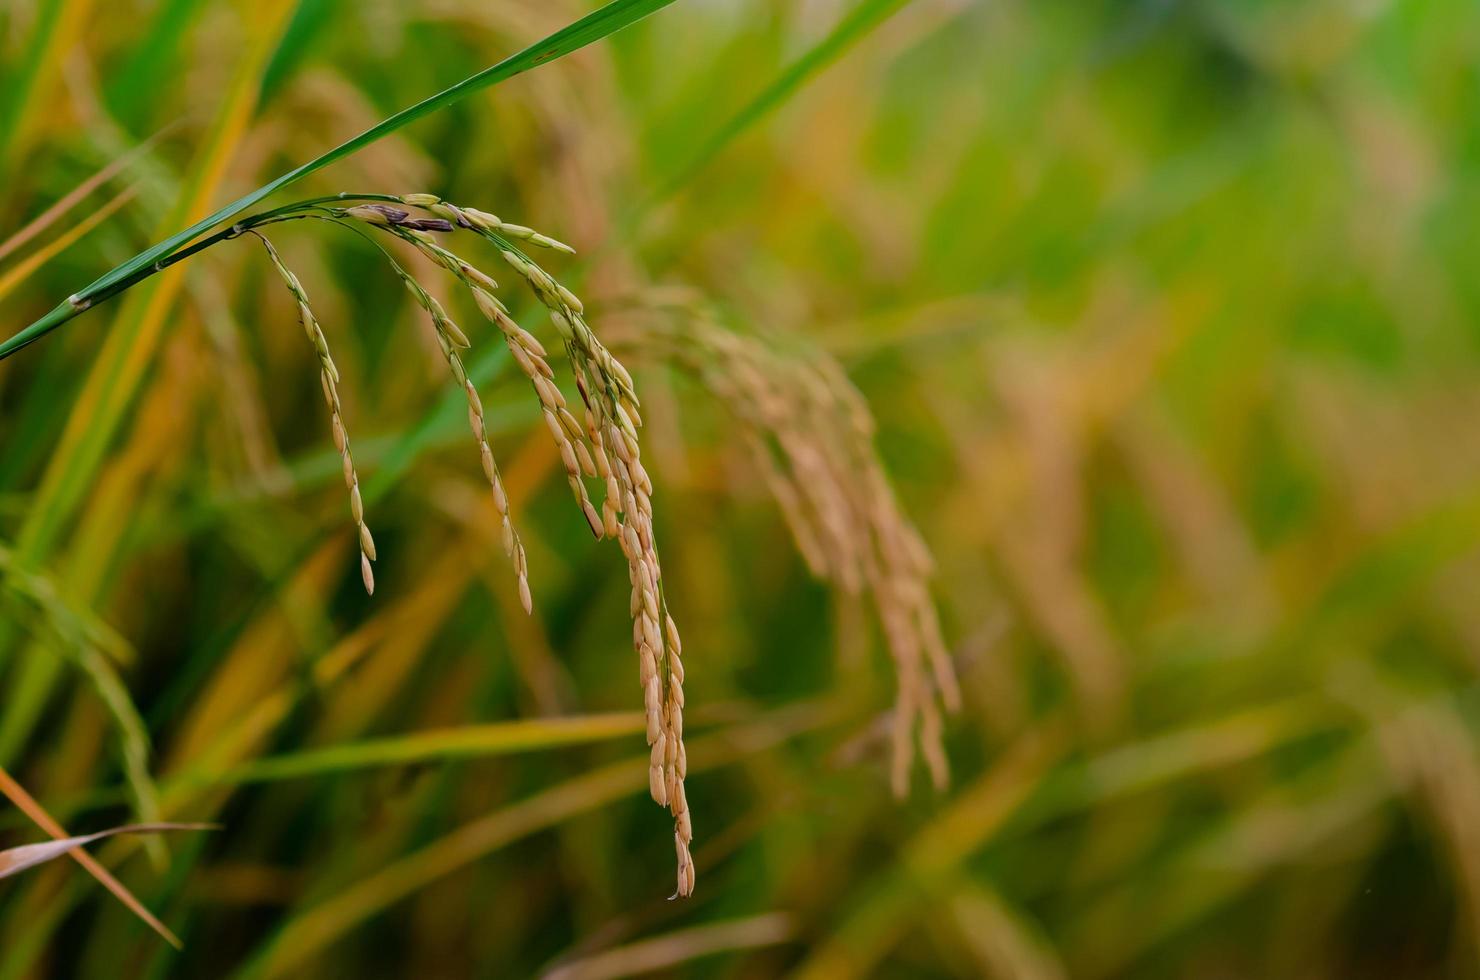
[1157, 321]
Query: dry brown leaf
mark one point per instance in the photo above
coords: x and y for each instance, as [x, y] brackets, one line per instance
[18, 859]
[27, 804]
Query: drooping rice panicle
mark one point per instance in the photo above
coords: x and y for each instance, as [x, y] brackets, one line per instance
[608, 434]
[329, 378]
[527, 351]
[811, 435]
[451, 339]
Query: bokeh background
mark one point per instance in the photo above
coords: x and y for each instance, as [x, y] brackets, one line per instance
[1166, 311]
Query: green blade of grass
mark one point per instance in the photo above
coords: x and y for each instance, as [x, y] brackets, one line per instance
[319, 925]
[57, 26]
[593, 27]
[469, 741]
[849, 31]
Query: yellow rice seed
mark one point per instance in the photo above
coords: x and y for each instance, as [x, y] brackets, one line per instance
[553, 424]
[366, 575]
[525, 362]
[525, 599]
[583, 455]
[356, 506]
[528, 341]
[549, 397]
[622, 374]
[593, 519]
[484, 220]
[641, 479]
[367, 543]
[489, 470]
[478, 276]
[368, 214]
[569, 298]
[546, 241]
[455, 334]
[568, 423]
[488, 304]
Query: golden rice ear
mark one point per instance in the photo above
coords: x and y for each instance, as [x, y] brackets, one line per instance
[811, 436]
[605, 447]
[452, 339]
[329, 379]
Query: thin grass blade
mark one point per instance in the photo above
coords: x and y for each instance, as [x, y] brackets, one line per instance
[35, 260]
[18, 859]
[850, 30]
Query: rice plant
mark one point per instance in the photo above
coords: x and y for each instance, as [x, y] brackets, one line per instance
[601, 447]
[1052, 420]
